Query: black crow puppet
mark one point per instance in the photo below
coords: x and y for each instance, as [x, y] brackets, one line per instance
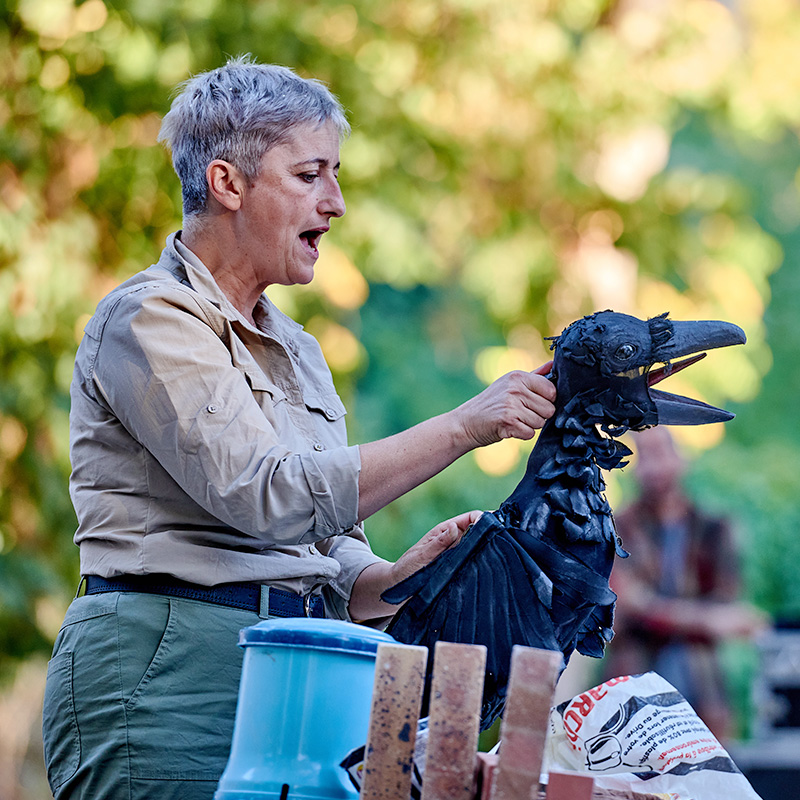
[535, 572]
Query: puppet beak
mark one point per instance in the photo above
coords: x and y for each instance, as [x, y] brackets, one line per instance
[689, 339]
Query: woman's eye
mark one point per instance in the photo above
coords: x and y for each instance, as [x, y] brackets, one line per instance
[625, 351]
[309, 177]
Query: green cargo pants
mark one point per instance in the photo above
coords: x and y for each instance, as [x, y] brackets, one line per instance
[141, 697]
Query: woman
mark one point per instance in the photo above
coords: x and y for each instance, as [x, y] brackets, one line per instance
[211, 475]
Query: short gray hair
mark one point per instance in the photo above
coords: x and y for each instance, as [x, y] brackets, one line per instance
[236, 113]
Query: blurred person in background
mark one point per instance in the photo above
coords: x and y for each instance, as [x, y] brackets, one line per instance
[211, 474]
[679, 592]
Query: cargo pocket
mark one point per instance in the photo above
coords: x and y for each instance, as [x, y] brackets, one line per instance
[180, 716]
[62, 743]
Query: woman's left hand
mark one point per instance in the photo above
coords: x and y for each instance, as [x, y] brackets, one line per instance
[365, 599]
[432, 544]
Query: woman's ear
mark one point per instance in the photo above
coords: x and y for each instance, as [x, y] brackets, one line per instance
[225, 184]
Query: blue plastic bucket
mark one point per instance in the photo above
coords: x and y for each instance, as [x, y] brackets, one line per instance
[304, 702]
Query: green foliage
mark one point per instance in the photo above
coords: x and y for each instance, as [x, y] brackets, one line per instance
[759, 487]
[512, 166]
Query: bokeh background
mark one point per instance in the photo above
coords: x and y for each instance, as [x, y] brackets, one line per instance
[512, 166]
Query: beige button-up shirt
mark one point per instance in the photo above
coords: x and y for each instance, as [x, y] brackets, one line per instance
[209, 449]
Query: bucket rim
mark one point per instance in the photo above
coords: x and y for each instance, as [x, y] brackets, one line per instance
[314, 634]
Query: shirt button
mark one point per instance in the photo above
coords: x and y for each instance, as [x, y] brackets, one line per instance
[212, 409]
[319, 446]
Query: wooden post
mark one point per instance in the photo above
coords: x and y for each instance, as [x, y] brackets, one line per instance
[396, 699]
[569, 786]
[486, 766]
[454, 721]
[524, 727]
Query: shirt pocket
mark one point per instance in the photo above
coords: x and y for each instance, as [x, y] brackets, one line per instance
[271, 399]
[260, 383]
[328, 404]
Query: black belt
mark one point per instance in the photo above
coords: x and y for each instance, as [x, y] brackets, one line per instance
[278, 603]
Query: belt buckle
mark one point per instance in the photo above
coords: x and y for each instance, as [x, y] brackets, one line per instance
[307, 604]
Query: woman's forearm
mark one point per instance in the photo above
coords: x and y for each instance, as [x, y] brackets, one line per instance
[393, 466]
[515, 405]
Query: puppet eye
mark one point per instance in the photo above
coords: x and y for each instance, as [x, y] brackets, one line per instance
[625, 351]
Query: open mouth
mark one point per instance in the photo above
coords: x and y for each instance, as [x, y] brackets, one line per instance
[688, 341]
[310, 240]
[658, 374]
[674, 409]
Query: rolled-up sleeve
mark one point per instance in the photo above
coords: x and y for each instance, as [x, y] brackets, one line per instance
[165, 372]
[354, 554]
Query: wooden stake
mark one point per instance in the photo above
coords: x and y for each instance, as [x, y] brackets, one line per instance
[454, 721]
[486, 766]
[396, 699]
[569, 786]
[524, 727]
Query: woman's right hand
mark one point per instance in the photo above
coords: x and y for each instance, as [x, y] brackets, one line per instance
[514, 406]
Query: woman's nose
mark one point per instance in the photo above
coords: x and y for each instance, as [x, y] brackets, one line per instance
[333, 202]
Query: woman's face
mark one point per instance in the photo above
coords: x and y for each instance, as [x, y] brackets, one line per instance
[290, 205]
